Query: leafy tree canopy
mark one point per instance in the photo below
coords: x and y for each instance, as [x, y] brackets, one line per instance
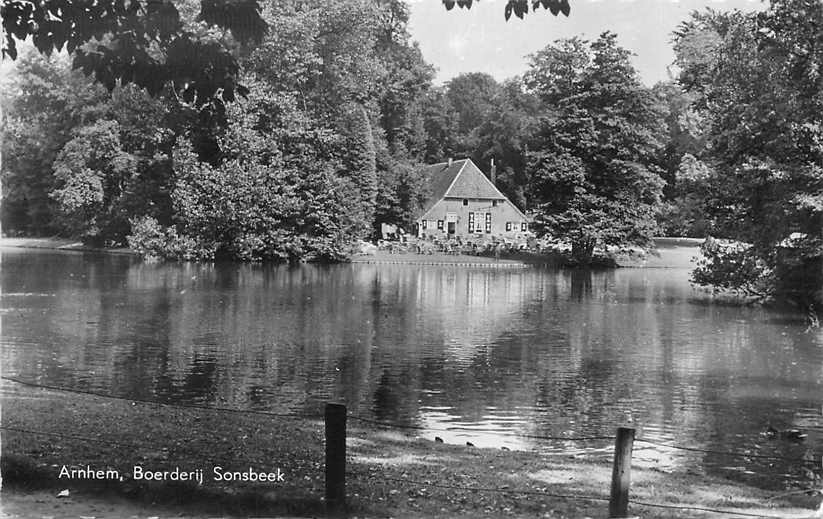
[65, 134]
[593, 161]
[159, 43]
[145, 42]
[472, 96]
[756, 80]
[519, 7]
[278, 192]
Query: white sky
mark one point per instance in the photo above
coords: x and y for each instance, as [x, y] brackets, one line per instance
[480, 40]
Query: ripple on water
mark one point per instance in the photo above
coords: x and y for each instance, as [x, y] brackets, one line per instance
[488, 357]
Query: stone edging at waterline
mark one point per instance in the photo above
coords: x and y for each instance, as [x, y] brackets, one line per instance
[480, 264]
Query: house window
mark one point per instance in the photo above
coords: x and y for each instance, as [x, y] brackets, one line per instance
[471, 222]
[424, 223]
[494, 203]
[508, 226]
[488, 223]
[439, 225]
[524, 226]
[465, 202]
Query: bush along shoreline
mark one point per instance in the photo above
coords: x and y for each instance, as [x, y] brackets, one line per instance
[710, 260]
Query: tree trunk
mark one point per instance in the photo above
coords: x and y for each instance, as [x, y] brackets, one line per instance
[583, 252]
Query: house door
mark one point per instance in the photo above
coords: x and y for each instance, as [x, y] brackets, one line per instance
[451, 221]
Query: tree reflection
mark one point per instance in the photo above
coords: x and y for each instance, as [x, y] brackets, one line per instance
[581, 285]
[529, 351]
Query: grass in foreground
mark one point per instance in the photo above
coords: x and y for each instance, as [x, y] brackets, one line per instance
[389, 474]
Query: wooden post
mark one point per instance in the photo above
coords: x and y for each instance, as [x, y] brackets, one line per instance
[335, 458]
[621, 473]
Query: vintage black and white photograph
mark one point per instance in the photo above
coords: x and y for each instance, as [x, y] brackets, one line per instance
[465, 259]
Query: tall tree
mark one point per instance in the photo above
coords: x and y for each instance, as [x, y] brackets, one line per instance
[400, 129]
[81, 160]
[92, 170]
[359, 163]
[277, 193]
[504, 135]
[401, 193]
[557, 70]
[322, 52]
[472, 95]
[686, 190]
[756, 78]
[593, 162]
[440, 120]
[43, 101]
[406, 82]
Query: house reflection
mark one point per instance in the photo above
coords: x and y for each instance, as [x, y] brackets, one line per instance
[482, 351]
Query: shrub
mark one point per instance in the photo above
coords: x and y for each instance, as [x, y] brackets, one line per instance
[150, 239]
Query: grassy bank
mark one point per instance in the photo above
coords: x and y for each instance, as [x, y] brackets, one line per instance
[390, 474]
[678, 253]
[59, 244]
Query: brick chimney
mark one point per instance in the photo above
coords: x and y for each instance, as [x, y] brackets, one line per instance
[493, 173]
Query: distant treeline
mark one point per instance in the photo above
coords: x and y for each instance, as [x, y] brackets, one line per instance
[316, 130]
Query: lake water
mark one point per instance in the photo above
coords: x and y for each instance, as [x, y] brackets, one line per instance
[478, 354]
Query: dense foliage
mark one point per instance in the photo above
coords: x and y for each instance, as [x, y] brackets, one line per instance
[153, 45]
[593, 171]
[276, 194]
[79, 160]
[302, 168]
[162, 147]
[49, 101]
[756, 80]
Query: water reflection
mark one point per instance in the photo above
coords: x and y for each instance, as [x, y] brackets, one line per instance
[485, 352]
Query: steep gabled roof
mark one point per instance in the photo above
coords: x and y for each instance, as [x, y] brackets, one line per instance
[460, 179]
[472, 183]
[440, 178]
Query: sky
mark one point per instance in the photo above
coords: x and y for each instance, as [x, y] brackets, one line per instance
[480, 40]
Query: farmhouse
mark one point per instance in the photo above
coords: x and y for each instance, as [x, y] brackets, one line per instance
[465, 203]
